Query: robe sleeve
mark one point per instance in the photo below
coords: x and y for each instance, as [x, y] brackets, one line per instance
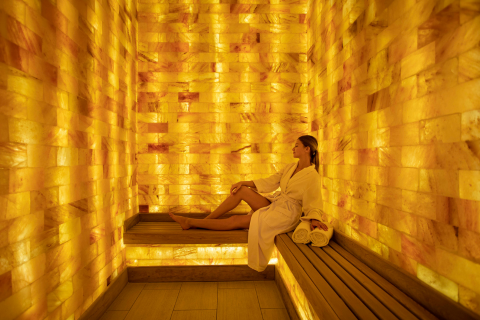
[312, 201]
[271, 183]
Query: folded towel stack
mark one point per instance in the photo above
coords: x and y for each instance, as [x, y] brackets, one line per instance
[318, 237]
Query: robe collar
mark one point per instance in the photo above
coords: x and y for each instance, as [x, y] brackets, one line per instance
[302, 172]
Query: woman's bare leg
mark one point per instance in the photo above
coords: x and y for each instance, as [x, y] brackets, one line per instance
[253, 199]
[232, 223]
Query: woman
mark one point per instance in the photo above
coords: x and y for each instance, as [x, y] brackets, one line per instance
[273, 214]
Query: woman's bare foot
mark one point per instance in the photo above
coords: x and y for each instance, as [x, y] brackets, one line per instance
[183, 221]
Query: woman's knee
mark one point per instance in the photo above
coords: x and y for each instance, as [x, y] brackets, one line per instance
[240, 192]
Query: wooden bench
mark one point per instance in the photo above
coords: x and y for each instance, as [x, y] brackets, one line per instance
[161, 229]
[339, 285]
[147, 229]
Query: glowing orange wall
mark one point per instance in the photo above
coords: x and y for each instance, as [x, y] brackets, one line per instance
[67, 152]
[222, 96]
[394, 90]
[390, 88]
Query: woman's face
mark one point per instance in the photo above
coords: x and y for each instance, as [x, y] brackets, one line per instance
[298, 149]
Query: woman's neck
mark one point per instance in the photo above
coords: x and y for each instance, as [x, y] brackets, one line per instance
[303, 163]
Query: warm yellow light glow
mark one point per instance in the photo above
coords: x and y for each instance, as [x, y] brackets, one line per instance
[297, 296]
[187, 254]
[101, 113]
[190, 254]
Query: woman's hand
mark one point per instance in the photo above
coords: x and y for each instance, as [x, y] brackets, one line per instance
[235, 187]
[317, 224]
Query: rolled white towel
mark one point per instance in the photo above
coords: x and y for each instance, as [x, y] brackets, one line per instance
[320, 237]
[301, 233]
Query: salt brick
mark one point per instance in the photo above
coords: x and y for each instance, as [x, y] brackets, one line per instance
[456, 268]
[438, 282]
[469, 185]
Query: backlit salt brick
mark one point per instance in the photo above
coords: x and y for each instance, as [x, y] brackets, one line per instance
[456, 268]
[444, 129]
[28, 272]
[469, 185]
[440, 283]
[470, 125]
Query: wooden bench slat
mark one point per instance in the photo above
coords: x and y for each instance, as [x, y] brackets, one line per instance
[350, 299]
[130, 222]
[392, 304]
[376, 306]
[395, 292]
[326, 302]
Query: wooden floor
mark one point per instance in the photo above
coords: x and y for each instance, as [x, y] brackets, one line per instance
[236, 300]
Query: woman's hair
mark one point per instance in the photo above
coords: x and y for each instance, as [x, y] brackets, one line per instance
[310, 141]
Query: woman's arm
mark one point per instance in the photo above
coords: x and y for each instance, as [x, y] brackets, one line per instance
[312, 205]
[312, 201]
[235, 187]
[314, 223]
[271, 183]
[248, 184]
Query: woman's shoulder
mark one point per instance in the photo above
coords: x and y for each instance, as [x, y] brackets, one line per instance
[293, 164]
[288, 166]
[313, 174]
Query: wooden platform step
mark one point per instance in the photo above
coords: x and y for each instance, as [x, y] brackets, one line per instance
[161, 229]
[199, 273]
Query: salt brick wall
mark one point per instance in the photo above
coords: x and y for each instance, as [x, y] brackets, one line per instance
[67, 152]
[394, 95]
[222, 97]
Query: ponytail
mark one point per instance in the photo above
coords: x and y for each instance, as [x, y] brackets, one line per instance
[315, 159]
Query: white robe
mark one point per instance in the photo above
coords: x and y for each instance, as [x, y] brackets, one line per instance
[285, 212]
